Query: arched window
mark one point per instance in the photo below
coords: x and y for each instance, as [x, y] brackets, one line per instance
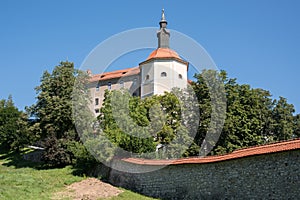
[147, 77]
[163, 74]
[180, 76]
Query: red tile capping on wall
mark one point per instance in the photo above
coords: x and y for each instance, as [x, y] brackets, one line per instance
[257, 150]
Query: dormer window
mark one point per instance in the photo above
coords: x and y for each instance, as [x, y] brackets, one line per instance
[163, 74]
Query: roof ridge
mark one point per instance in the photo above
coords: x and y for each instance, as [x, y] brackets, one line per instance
[114, 74]
[116, 71]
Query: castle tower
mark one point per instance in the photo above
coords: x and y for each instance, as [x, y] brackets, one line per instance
[163, 69]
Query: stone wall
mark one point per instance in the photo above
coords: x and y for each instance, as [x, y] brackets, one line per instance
[268, 176]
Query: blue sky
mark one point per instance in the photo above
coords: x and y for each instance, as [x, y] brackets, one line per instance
[255, 41]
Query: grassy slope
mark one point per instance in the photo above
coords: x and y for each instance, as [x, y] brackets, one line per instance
[21, 179]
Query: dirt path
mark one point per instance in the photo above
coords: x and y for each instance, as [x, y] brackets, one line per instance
[89, 189]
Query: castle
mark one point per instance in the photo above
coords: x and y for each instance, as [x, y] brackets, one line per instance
[160, 72]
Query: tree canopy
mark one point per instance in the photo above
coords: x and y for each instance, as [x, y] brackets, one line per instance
[14, 132]
[231, 116]
[214, 115]
[252, 116]
[53, 111]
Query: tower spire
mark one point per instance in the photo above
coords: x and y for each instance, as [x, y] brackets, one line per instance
[163, 18]
[163, 34]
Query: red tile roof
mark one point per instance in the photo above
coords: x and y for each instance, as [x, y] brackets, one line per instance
[163, 53]
[115, 74]
[258, 150]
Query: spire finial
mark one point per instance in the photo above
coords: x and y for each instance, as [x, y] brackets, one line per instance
[163, 22]
[163, 18]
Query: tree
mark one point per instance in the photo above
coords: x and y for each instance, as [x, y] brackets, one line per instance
[283, 120]
[252, 116]
[54, 102]
[297, 126]
[14, 133]
[136, 126]
[53, 111]
[210, 92]
[122, 120]
[248, 118]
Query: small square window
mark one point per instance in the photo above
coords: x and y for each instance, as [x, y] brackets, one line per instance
[163, 74]
[147, 77]
[97, 110]
[180, 76]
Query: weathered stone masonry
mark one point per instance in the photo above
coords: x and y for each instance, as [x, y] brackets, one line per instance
[271, 175]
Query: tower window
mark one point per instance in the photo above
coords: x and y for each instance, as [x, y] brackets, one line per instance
[109, 85]
[163, 74]
[96, 101]
[147, 77]
[180, 76]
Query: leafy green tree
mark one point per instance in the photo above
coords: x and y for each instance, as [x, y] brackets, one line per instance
[53, 111]
[122, 120]
[248, 118]
[14, 132]
[209, 89]
[296, 126]
[252, 116]
[137, 126]
[54, 102]
[283, 120]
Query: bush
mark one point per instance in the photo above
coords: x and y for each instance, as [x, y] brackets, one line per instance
[56, 152]
[83, 161]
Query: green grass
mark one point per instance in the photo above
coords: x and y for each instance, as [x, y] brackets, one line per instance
[128, 195]
[20, 179]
